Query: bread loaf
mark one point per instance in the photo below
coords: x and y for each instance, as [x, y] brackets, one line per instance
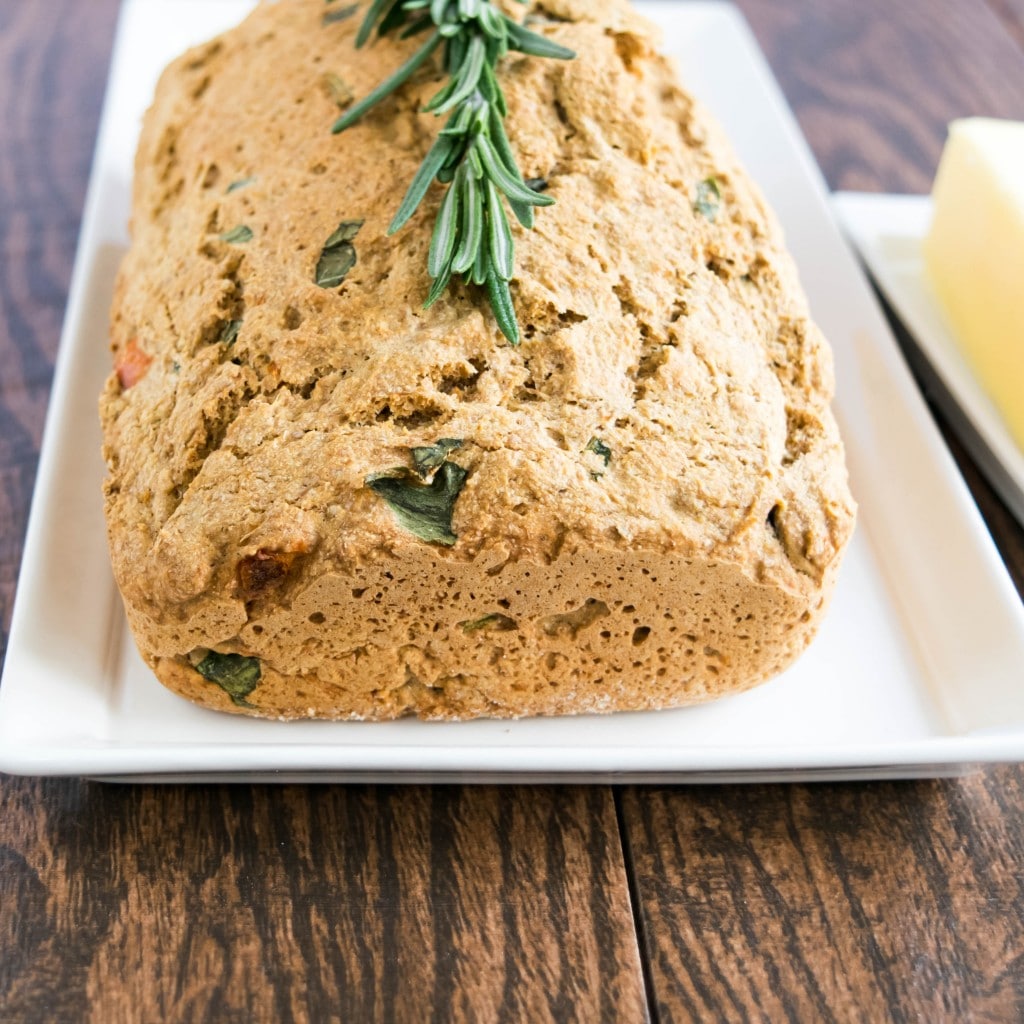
[325, 501]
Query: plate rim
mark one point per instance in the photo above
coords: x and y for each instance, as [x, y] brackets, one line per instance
[242, 760]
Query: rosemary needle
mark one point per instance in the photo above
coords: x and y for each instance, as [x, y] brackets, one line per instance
[472, 155]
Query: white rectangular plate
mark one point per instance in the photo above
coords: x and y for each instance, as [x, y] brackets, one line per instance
[888, 231]
[916, 670]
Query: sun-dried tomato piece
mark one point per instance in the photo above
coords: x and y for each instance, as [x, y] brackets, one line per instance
[131, 364]
[263, 571]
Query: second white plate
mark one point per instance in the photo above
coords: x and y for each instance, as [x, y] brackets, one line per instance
[888, 231]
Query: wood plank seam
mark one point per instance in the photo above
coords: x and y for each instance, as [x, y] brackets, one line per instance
[633, 894]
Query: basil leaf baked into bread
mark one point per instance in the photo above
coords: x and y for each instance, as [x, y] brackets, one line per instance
[326, 501]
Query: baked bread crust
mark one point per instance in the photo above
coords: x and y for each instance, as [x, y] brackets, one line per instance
[688, 554]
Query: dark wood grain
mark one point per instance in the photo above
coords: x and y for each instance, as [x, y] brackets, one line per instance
[875, 83]
[1012, 14]
[833, 903]
[241, 903]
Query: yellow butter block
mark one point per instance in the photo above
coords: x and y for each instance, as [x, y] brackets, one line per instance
[974, 254]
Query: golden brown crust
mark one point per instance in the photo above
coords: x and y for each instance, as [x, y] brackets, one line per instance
[259, 404]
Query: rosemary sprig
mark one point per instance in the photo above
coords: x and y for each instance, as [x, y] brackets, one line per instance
[472, 155]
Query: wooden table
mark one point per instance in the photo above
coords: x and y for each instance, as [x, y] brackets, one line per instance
[251, 903]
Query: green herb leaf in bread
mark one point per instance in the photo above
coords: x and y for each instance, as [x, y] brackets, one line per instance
[235, 674]
[338, 89]
[229, 332]
[495, 622]
[599, 448]
[339, 13]
[709, 199]
[431, 457]
[338, 256]
[424, 509]
[602, 451]
[238, 236]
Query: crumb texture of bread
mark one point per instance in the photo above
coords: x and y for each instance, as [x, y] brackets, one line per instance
[649, 503]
